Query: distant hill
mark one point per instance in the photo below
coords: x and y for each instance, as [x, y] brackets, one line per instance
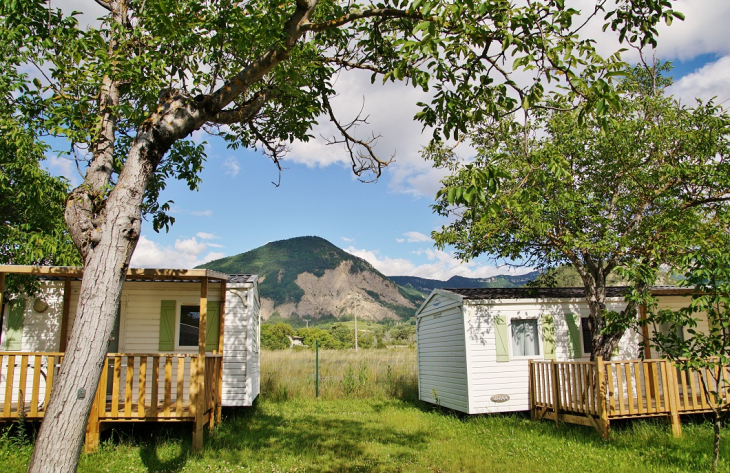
[425, 286]
[309, 277]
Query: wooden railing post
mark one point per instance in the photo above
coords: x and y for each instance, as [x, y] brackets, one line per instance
[199, 378]
[92, 427]
[556, 390]
[673, 396]
[601, 401]
[533, 412]
[221, 338]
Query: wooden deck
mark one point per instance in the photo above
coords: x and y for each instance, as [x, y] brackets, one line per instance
[594, 393]
[141, 387]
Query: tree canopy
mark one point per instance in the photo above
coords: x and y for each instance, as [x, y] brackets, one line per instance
[32, 228]
[628, 192]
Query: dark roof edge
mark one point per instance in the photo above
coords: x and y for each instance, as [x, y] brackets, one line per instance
[555, 293]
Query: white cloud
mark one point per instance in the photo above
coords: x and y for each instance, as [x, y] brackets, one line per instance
[416, 237]
[206, 236]
[712, 80]
[201, 213]
[348, 240]
[186, 253]
[444, 267]
[195, 213]
[231, 166]
[59, 166]
[90, 11]
[703, 31]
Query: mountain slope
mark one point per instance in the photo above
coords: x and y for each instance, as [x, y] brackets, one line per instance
[310, 277]
[425, 286]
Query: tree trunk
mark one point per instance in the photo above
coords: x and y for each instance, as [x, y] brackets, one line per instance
[106, 228]
[594, 275]
[62, 432]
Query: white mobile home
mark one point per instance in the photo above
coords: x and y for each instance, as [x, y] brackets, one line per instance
[475, 345]
[154, 371]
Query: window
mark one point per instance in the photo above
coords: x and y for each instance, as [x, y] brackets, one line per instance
[189, 326]
[665, 329]
[525, 337]
[585, 331]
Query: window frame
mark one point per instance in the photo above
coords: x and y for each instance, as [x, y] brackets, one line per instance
[178, 316]
[540, 343]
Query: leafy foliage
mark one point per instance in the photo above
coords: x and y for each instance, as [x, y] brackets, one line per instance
[706, 319]
[631, 191]
[32, 229]
[276, 336]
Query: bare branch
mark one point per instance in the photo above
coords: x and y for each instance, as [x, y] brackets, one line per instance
[273, 150]
[352, 65]
[361, 162]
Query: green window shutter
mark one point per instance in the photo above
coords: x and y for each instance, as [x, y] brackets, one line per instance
[502, 338]
[14, 332]
[167, 325]
[548, 336]
[573, 321]
[212, 325]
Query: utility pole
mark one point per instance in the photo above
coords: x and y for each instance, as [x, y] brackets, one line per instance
[355, 332]
[306, 321]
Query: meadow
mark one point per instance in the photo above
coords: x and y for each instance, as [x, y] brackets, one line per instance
[368, 418]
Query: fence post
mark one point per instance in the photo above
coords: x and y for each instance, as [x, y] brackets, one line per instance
[601, 393]
[532, 390]
[673, 396]
[556, 390]
[316, 362]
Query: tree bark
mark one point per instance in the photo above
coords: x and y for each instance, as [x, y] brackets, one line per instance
[594, 275]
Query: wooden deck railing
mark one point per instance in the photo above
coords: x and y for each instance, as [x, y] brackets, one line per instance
[26, 380]
[133, 387]
[593, 393]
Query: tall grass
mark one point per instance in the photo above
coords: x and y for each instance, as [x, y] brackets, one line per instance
[343, 374]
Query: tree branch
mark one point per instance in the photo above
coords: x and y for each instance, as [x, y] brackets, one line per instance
[352, 65]
[350, 17]
[105, 4]
[245, 112]
[361, 162]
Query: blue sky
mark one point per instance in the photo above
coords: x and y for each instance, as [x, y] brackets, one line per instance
[388, 223]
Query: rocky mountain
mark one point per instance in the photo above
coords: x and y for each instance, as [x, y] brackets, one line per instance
[309, 277]
[425, 286]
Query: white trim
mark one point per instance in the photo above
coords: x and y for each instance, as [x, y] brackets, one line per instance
[178, 312]
[448, 294]
[467, 361]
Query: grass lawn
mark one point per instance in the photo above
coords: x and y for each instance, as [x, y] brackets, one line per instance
[309, 435]
[368, 419]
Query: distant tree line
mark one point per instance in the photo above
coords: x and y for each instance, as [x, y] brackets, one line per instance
[337, 336]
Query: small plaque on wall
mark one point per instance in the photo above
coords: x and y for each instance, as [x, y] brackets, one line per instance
[500, 398]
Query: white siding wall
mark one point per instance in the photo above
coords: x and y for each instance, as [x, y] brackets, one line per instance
[442, 364]
[236, 323]
[488, 377]
[676, 303]
[40, 330]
